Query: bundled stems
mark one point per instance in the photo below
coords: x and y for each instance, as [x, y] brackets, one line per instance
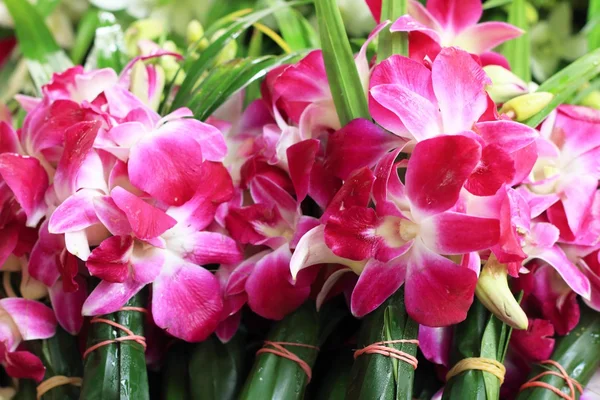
[375, 376]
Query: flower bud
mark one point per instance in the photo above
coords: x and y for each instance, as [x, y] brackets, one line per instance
[228, 52]
[505, 85]
[592, 100]
[170, 65]
[527, 105]
[148, 29]
[195, 35]
[493, 292]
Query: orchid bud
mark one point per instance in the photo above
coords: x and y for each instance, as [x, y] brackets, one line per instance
[170, 65]
[505, 85]
[592, 100]
[493, 292]
[148, 29]
[527, 105]
[228, 52]
[195, 35]
[531, 14]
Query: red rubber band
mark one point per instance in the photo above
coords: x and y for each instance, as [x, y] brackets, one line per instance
[571, 383]
[130, 335]
[382, 349]
[279, 350]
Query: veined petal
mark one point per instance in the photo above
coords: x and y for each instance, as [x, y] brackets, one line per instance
[456, 233]
[376, 283]
[111, 216]
[509, 135]
[75, 213]
[146, 221]
[464, 100]
[209, 138]
[33, 319]
[28, 181]
[438, 291]
[67, 306]
[187, 301]
[437, 171]
[206, 248]
[478, 39]
[108, 297]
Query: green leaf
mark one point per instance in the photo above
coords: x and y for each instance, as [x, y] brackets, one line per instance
[565, 83]
[377, 377]
[275, 377]
[197, 68]
[344, 81]
[517, 51]
[495, 3]
[27, 390]
[333, 382]
[86, 30]
[492, 346]
[392, 43]
[109, 45]
[43, 55]
[294, 28]
[175, 373]
[578, 353]
[594, 33]
[227, 79]
[224, 379]
[46, 7]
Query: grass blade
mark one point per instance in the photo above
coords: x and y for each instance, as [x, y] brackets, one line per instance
[392, 43]
[594, 33]
[517, 51]
[294, 28]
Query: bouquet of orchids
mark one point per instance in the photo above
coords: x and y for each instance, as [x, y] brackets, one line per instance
[299, 200]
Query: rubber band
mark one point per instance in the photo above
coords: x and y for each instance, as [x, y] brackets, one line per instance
[571, 383]
[494, 367]
[279, 350]
[141, 340]
[8, 289]
[56, 381]
[381, 349]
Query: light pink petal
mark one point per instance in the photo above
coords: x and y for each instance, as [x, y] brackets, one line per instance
[421, 14]
[577, 131]
[438, 291]
[329, 285]
[420, 117]
[33, 319]
[121, 101]
[111, 216]
[79, 139]
[577, 197]
[76, 213]
[437, 170]
[67, 306]
[464, 100]
[28, 181]
[455, 15]
[359, 144]
[146, 221]
[187, 302]
[25, 365]
[510, 136]
[301, 157]
[44, 259]
[110, 260]
[108, 297]
[204, 248]
[77, 243]
[305, 224]
[209, 138]
[362, 65]
[478, 39]
[495, 169]
[167, 166]
[435, 343]
[406, 23]
[569, 272]
[455, 233]
[537, 203]
[272, 271]
[146, 262]
[376, 283]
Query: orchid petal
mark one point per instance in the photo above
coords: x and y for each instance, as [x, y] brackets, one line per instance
[108, 297]
[67, 306]
[33, 319]
[478, 39]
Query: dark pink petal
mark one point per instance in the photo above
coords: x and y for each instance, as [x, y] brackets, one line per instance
[228, 327]
[576, 129]
[265, 191]
[375, 8]
[79, 139]
[478, 39]
[359, 144]
[76, 213]
[28, 181]
[557, 216]
[437, 170]
[456, 233]
[255, 224]
[323, 184]
[9, 141]
[536, 343]
[577, 198]
[438, 291]
[356, 191]
[111, 216]
[465, 100]
[24, 365]
[110, 260]
[67, 306]
[33, 319]
[68, 268]
[273, 271]
[146, 221]
[108, 297]
[493, 58]
[204, 248]
[44, 259]
[388, 190]
[524, 160]
[509, 135]
[455, 15]
[376, 283]
[495, 169]
[9, 238]
[187, 302]
[435, 343]
[351, 233]
[301, 157]
[305, 224]
[406, 23]
[167, 166]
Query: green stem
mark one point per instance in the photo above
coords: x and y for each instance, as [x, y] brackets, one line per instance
[392, 43]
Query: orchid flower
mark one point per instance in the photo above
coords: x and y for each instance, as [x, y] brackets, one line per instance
[23, 320]
[406, 238]
[445, 23]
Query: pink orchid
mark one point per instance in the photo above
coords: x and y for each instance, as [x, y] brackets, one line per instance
[445, 23]
[416, 103]
[23, 320]
[404, 240]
